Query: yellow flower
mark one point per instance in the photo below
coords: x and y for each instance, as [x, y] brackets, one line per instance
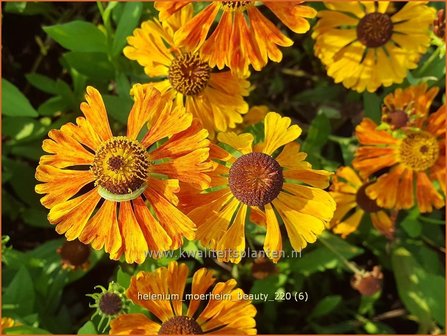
[216, 98]
[348, 191]
[243, 35]
[8, 322]
[364, 47]
[162, 293]
[260, 179]
[415, 158]
[131, 185]
[408, 107]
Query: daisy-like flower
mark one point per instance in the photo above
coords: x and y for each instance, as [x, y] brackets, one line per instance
[162, 293]
[216, 98]
[243, 35]
[348, 191]
[408, 107]
[364, 47]
[261, 179]
[131, 185]
[415, 158]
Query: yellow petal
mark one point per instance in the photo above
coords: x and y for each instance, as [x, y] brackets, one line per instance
[273, 240]
[202, 280]
[133, 324]
[240, 142]
[278, 132]
[233, 240]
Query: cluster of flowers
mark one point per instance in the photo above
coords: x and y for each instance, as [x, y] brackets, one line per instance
[183, 169]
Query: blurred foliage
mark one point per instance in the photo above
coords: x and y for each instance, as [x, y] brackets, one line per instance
[57, 49]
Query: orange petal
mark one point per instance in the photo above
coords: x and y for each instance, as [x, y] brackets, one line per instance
[103, 230]
[133, 324]
[156, 237]
[426, 194]
[166, 121]
[202, 280]
[67, 151]
[383, 223]
[83, 132]
[177, 274]
[145, 100]
[292, 15]
[60, 184]
[71, 216]
[176, 224]
[96, 114]
[152, 283]
[194, 33]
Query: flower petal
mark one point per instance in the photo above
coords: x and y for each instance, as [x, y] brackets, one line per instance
[60, 184]
[202, 280]
[273, 240]
[278, 132]
[96, 114]
[133, 324]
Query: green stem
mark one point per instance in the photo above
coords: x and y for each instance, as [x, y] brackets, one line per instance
[348, 264]
[429, 61]
[431, 220]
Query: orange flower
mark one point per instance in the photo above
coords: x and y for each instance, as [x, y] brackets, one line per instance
[162, 293]
[411, 155]
[106, 190]
[215, 98]
[408, 107]
[348, 191]
[243, 35]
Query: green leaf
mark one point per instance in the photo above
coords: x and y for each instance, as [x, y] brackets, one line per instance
[412, 226]
[325, 306]
[371, 104]
[43, 83]
[83, 62]
[317, 135]
[20, 293]
[26, 330]
[410, 277]
[128, 21]
[322, 258]
[433, 287]
[123, 278]
[14, 103]
[88, 329]
[269, 286]
[78, 36]
[53, 106]
[118, 107]
[28, 8]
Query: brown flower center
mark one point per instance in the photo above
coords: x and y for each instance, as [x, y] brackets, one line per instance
[397, 119]
[374, 30]
[364, 202]
[120, 167]
[74, 253]
[235, 5]
[255, 179]
[189, 75]
[418, 150]
[110, 303]
[180, 325]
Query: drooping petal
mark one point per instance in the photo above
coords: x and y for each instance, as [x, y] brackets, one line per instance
[233, 239]
[60, 184]
[202, 280]
[135, 245]
[133, 324]
[70, 217]
[102, 230]
[273, 239]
